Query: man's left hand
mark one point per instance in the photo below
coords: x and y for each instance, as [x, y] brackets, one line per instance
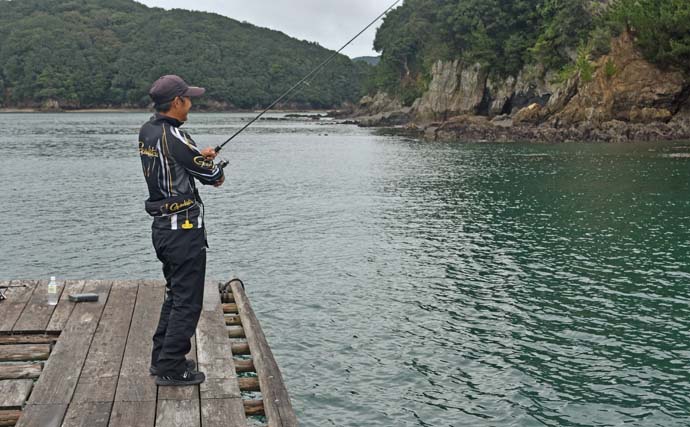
[208, 153]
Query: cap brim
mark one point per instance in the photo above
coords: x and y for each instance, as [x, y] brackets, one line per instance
[194, 91]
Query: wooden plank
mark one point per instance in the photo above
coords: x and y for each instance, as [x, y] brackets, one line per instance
[61, 373]
[277, 403]
[28, 339]
[214, 349]
[98, 380]
[12, 307]
[240, 349]
[15, 371]
[88, 414]
[178, 413]
[9, 418]
[133, 414]
[24, 352]
[42, 416]
[13, 393]
[37, 313]
[64, 307]
[135, 383]
[223, 413]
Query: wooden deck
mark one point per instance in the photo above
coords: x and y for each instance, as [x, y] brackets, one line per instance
[86, 364]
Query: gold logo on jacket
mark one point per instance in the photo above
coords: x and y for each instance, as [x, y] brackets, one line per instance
[203, 163]
[147, 152]
[176, 207]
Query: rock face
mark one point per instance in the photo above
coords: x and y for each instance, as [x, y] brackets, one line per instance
[628, 98]
[381, 102]
[455, 89]
[627, 88]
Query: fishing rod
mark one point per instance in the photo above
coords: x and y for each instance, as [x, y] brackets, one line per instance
[224, 163]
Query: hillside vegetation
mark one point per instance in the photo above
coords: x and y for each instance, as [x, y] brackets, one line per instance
[101, 53]
[504, 36]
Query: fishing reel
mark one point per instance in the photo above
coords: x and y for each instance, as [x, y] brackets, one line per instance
[223, 163]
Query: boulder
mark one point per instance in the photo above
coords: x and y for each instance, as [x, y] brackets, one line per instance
[379, 103]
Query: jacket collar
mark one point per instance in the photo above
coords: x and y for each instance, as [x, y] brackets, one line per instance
[167, 119]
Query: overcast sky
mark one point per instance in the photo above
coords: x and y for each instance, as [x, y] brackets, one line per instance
[330, 23]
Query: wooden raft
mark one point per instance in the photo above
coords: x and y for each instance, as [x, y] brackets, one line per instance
[86, 364]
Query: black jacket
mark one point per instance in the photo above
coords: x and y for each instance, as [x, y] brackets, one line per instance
[171, 161]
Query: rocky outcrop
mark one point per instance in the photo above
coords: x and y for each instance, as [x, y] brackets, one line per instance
[454, 89]
[627, 88]
[380, 103]
[627, 98]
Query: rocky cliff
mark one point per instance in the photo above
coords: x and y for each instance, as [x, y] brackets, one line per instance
[627, 98]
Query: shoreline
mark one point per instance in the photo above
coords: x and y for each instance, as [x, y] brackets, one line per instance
[149, 110]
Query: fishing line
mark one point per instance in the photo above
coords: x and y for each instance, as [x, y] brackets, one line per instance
[296, 85]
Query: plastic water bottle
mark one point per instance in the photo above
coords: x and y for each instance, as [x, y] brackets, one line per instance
[52, 291]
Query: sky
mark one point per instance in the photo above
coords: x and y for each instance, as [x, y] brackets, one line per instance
[330, 23]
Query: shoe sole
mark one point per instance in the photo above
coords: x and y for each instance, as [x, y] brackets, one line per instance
[165, 383]
[154, 372]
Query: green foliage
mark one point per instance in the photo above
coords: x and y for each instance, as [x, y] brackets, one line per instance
[583, 65]
[506, 35]
[610, 69]
[661, 28]
[88, 53]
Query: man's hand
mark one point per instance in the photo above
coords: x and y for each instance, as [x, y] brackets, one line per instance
[208, 153]
[219, 182]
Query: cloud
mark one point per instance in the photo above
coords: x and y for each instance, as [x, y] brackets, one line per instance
[330, 23]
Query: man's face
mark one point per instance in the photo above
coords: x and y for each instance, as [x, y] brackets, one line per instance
[183, 104]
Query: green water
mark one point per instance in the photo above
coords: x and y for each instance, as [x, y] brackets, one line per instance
[400, 283]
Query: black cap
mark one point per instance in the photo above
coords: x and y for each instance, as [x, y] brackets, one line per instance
[171, 86]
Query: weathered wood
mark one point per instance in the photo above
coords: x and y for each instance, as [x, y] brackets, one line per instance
[240, 349]
[135, 383]
[64, 307]
[254, 408]
[12, 307]
[235, 332]
[223, 413]
[61, 373]
[13, 393]
[221, 403]
[182, 413]
[28, 339]
[277, 403]
[42, 416]
[133, 414]
[244, 365]
[88, 414]
[249, 384]
[233, 320]
[227, 297]
[9, 417]
[230, 308]
[37, 312]
[24, 352]
[98, 380]
[215, 350]
[17, 371]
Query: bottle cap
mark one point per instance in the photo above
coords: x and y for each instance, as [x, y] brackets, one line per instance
[52, 278]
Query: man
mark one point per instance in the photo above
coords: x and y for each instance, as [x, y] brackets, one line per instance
[171, 161]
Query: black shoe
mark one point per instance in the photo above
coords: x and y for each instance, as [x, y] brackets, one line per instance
[189, 365]
[187, 378]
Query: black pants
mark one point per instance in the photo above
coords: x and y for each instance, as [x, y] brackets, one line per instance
[183, 254]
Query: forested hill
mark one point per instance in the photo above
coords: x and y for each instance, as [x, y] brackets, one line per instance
[106, 53]
[506, 37]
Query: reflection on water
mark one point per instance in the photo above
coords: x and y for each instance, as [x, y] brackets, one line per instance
[401, 283]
